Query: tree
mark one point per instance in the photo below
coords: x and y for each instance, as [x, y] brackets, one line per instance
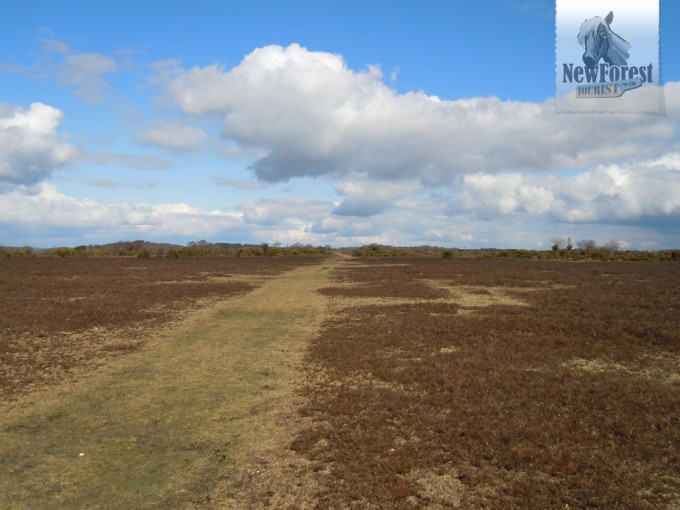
[611, 246]
[557, 243]
[588, 245]
[198, 244]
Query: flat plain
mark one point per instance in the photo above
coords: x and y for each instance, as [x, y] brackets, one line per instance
[479, 383]
[317, 382]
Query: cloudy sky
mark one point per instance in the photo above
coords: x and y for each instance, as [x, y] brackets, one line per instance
[341, 122]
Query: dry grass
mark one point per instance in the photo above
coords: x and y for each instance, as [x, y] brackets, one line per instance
[65, 317]
[201, 417]
[560, 390]
[432, 384]
[660, 369]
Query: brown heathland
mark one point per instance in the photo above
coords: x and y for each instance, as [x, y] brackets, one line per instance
[498, 384]
[430, 383]
[62, 316]
[201, 416]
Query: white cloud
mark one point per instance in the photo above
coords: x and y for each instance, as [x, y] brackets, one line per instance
[315, 116]
[30, 148]
[172, 135]
[301, 113]
[113, 184]
[366, 198]
[81, 67]
[415, 223]
[278, 211]
[142, 161]
[40, 213]
[345, 227]
[44, 206]
[247, 184]
[633, 192]
[45, 212]
[86, 71]
[490, 195]
[103, 183]
[56, 46]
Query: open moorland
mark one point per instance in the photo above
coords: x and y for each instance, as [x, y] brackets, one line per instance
[62, 315]
[498, 384]
[169, 391]
[325, 382]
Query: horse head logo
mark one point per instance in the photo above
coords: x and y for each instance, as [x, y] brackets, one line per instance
[600, 42]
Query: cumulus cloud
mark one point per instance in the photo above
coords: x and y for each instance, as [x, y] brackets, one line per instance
[632, 192]
[42, 209]
[365, 198]
[414, 222]
[172, 135]
[43, 205]
[490, 195]
[313, 115]
[30, 148]
[278, 211]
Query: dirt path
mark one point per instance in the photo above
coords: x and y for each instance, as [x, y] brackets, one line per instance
[201, 418]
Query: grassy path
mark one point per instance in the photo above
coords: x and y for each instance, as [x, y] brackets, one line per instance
[199, 419]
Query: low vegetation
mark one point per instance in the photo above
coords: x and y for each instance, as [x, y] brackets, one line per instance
[487, 383]
[199, 418]
[446, 380]
[63, 315]
[590, 252]
[580, 255]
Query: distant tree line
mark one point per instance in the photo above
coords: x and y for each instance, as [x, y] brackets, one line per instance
[379, 250]
[586, 249]
[560, 249]
[143, 249]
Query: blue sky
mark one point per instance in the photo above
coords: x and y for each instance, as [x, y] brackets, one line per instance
[336, 122]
